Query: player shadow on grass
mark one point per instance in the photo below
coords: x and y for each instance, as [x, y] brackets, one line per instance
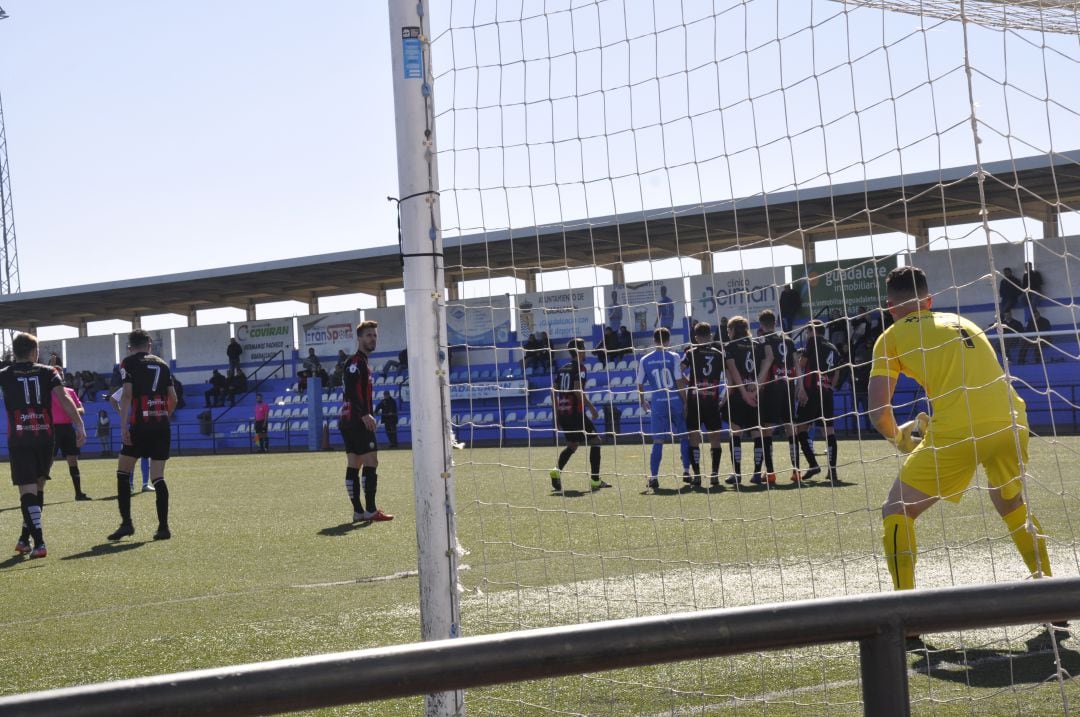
[106, 549]
[337, 531]
[982, 667]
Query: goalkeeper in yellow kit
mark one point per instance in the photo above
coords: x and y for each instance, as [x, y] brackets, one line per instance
[978, 419]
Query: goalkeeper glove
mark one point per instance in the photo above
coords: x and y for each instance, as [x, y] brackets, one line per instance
[903, 440]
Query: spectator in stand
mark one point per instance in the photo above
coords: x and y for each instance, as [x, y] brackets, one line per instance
[1032, 285]
[790, 304]
[235, 384]
[1009, 291]
[530, 351]
[1038, 324]
[179, 388]
[215, 395]
[387, 411]
[262, 419]
[104, 433]
[545, 351]
[625, 343]
[234, 351]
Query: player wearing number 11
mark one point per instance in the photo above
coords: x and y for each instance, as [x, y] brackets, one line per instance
[978, 418]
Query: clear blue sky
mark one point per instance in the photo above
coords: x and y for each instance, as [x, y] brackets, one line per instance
[147, 138]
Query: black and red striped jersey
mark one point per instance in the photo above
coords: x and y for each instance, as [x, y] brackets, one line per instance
[358, 400]
[783, 350]
[150, 379]
[704, 367]
[27, 389]
[568, 382]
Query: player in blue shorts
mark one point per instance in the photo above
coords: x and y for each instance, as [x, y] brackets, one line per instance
[662, 392]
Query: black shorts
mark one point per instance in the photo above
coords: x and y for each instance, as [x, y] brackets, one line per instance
[776, 404]
[358, 440]
[740, 413]
[31, 463]
[704, 413]
[65, 439]
[260, 427]
[575, 427]
[818, 406]
[149, 441]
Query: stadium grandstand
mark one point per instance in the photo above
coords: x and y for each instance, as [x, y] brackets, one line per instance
[501, 398]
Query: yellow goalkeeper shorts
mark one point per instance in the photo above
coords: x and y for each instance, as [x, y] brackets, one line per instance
[944, 466]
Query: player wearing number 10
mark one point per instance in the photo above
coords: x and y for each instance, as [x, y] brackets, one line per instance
[662, 392]
[978, 418]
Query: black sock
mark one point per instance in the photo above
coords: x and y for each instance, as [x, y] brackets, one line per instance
[564, 456]
[371, 484]
[736, 455]
[31, 511]
[123, 496]
[830, 441]
[161, 495]
[766, 446]
[352, 487]
[717, 452]
[759, 453]
[594, 462]
[807, 449]
[76, 479]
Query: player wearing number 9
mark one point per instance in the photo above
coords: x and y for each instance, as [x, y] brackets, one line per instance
[977, 419]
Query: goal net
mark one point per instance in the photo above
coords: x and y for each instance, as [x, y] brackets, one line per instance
[610, 167]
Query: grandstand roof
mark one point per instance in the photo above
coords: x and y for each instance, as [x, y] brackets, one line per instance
[1027, 186]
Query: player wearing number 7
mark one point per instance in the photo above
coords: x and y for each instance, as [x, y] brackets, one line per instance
[147, 401]
[977, 419]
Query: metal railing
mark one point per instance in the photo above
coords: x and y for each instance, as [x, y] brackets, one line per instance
[878, 622]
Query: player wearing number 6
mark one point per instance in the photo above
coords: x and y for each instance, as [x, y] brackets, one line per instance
[977, 419]
[147, 401]
[662, 392]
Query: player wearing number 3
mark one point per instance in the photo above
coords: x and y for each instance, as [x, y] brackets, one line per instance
[662, 392]
[977, 419]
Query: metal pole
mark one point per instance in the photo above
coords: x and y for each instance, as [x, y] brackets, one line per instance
[425, 330]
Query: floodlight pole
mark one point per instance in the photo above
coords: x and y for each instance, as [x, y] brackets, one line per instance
[425, 331]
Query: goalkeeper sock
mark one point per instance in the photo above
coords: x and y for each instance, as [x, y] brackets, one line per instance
[594, 463]
[1032, 547]
[352, 487]
[900, 550]
[654, 458]
[564, 457]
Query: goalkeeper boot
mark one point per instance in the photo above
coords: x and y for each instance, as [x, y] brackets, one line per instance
[556, 480]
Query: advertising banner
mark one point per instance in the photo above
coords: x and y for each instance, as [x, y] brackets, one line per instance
[735, 293]
[847, 285]
[562, 314]
[264, 339]
[482, 321]
[646, 305]
[329, 333]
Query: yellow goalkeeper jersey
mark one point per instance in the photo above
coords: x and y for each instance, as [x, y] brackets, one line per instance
[953, 360]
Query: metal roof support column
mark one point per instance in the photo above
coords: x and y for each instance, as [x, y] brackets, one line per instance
[1051, 222]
